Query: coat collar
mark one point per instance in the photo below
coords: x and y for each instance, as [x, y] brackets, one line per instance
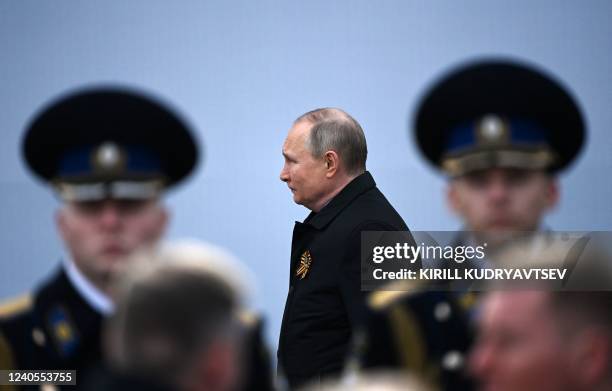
[97, 299]
[355, 188]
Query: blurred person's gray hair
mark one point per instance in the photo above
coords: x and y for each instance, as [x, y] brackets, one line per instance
[373, 381]
[173, 302]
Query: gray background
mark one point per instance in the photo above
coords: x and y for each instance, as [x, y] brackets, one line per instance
[241, 71]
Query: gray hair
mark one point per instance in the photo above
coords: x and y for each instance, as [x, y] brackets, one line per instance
[373, 381]
[171, 306]
[334, 129]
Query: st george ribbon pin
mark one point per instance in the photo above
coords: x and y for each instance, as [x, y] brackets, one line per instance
[305, 262]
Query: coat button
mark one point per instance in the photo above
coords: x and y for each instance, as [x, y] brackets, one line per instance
[39, 337]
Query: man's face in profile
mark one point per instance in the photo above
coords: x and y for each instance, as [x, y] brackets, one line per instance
[303, 173]
[520, 345]
[499, 200]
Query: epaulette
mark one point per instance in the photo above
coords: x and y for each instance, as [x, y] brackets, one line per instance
[16, 305]
[392, 292]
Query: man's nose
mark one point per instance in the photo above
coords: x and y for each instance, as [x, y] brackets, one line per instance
[498, 190]
[110, 215]
[284, 175]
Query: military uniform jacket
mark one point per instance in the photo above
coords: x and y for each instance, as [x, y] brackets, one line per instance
[57, 329]
[421, 331]
[53, 329]
[325, 303]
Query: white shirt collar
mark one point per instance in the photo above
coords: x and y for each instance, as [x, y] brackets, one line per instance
[88, 291]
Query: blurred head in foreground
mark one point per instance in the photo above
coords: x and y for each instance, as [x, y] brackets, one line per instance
[176, 323]
[375, 381]
[545, 338]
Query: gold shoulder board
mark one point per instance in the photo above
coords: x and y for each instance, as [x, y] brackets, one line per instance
[15, 305]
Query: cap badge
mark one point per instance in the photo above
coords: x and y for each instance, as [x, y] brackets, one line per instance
[108, 157]
[492, 129]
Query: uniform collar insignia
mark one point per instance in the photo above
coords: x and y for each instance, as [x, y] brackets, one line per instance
[304, 267]
[64, 333]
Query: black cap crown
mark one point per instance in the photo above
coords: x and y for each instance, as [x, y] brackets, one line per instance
[494, 113]
[107, 135]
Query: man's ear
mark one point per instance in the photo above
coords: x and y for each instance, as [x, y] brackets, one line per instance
[552, 193]
[60, 222]
[164, 220]
[453, 199]
[332, 163]
[591, 356]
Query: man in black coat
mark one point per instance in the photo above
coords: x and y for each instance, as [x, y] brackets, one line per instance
[501, 131]
[325, 155]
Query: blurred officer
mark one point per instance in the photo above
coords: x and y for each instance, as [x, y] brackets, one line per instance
[177, 326]
[501, 131]
[325, 156]
[109, 154]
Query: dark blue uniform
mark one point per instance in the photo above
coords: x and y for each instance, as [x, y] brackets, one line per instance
[420, 331]
[55, 329]
[92, 145]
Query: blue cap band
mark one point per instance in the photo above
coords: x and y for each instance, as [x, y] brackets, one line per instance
[521, 133]
[135, 160]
